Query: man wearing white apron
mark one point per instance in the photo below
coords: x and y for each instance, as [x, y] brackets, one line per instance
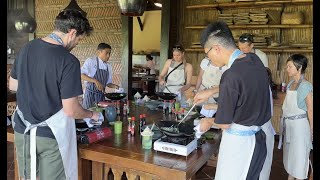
[244, 106]
[297, 120]
[209, 77]
[46, 77]
[177, 73]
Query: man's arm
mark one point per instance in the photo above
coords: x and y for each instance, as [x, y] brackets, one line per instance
[72, 108]
[13, 84]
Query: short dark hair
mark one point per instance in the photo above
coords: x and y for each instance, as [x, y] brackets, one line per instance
[103, 46]
[299, 61]
[72, 19]
[246, 37]
[217, 32]
[178, 47]
[149, 57]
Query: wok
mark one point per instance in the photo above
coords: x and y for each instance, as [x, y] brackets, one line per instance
[185, 129]
[115, 96]
[166, 96]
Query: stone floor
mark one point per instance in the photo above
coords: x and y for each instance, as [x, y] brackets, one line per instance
[205, 173]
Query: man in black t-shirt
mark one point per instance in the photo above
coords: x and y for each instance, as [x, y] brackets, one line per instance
[46, 77]
[243, 106]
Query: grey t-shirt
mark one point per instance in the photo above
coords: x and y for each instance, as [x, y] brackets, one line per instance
[46, 74]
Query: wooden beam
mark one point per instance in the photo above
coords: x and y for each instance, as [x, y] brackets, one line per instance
[165, 32]
[126, 55]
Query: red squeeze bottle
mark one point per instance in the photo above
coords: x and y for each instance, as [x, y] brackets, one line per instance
[133, 119]
[94, 136]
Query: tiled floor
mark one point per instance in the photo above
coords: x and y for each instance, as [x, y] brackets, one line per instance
[205, 173]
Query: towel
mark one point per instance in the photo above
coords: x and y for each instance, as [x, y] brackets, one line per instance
[90, 122]
[198, 132]
[207, 113]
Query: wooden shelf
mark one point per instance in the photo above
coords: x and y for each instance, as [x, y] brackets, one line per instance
[258, 26]
[296, 50]
[249, 4]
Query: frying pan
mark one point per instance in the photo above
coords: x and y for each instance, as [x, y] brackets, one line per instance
[166, 96]
[185, 129]
[115, 96]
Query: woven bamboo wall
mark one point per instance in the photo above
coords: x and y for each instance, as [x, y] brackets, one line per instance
[277, 61]
[104, 16]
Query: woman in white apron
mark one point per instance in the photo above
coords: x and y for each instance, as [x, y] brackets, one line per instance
[209, 77]
[177, 73]
[297, 120]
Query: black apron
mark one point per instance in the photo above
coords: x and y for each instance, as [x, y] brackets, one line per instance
[92, 95]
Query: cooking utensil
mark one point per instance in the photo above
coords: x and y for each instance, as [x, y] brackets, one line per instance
[115, 96]
[184, 130]
[166, 96]
[185, 117]
[168, 89]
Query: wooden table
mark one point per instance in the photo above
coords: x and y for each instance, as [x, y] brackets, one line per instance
[124, 154]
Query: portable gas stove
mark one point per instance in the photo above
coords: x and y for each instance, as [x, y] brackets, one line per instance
[176, 145]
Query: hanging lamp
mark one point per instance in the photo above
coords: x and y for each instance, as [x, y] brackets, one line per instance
[25, 22]
[74, 5]
[132, 7]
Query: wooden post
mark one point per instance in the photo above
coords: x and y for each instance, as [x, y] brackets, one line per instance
[126, 55]
[165, 33]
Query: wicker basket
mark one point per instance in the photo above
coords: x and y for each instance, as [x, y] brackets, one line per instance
[292, 18]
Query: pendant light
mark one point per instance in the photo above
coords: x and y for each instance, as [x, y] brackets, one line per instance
[132, 7]
[74, 5]
[25, 23]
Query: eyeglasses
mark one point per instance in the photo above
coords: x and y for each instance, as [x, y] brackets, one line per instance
[208, 52]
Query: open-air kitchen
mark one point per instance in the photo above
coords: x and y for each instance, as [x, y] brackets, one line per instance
[160, 89]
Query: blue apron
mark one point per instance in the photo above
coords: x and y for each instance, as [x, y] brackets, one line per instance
[92, 95]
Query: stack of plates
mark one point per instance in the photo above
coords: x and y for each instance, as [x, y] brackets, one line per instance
[227, 18]
[258, 17]
[241, 18]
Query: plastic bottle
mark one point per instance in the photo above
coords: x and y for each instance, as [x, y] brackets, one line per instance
[133, 119]
[140, 123]
[128, 107]
[118, 108]
[164, 106]
[170, 107]
[129, 124]
[125, 109]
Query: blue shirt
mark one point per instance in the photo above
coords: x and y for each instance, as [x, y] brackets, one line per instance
[303, 90]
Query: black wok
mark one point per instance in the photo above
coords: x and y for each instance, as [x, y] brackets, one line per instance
[185, 129]
[115, 96]
[166, 96]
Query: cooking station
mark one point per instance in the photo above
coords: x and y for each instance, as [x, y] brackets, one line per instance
[170, 158]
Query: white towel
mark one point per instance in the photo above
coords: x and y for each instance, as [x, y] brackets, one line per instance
[198, 132]
[207, 113]
[96, 123]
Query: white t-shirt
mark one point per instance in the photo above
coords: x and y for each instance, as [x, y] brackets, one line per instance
[205, 63]
[89, 68]
[262, 56]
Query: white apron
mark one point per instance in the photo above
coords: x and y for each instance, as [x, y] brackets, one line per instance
[297, 138]
[211, 78]
[63, 128]
[235, 152]
[176, 79]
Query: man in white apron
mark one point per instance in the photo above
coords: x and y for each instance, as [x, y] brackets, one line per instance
[177, 73]
[297, 120]
[46, 77]
[244, 106]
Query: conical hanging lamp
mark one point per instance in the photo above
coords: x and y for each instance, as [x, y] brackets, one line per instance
[25, 22]
[74, 5]
[132, 7]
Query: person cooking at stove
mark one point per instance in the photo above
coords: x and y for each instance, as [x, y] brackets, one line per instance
[209, 77]
[97, 75]
[177, 73]
[246, 45]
